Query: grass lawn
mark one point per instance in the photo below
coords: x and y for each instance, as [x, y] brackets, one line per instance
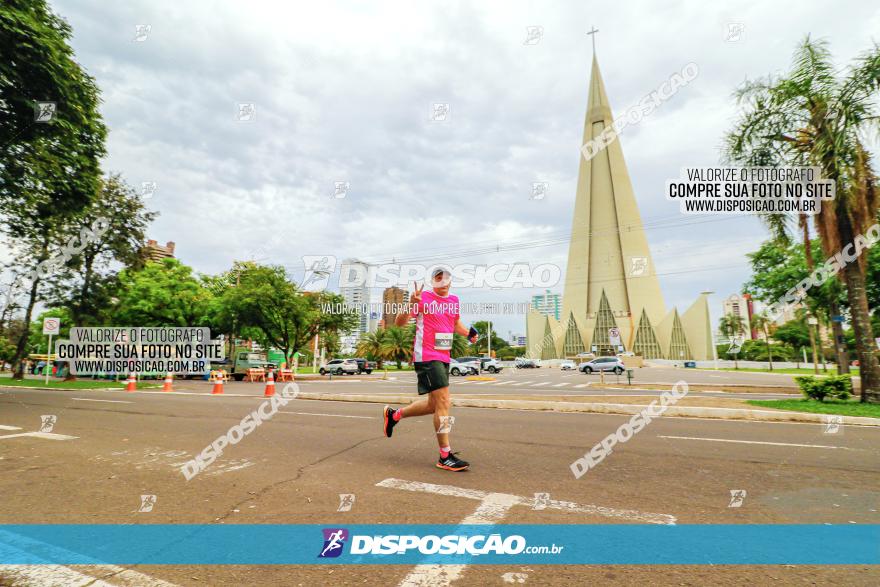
[854, 371]
[79, 384]
[843, 408]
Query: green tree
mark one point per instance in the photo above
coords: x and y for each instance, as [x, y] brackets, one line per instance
[49, 165]
[397, 345]
[812, 116]
[482, 344]
[370, 346]
[262, 301]
[86, 284]
[762, 323]
[732, 326]
[163, 293]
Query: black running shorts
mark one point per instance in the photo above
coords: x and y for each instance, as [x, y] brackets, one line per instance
[432, 375]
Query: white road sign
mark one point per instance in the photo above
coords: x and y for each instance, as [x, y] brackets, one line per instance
[51, 326]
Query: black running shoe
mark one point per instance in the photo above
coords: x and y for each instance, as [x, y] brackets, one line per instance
[390, 422]
[452, 463]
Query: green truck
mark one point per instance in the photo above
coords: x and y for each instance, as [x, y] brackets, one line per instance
[243, 359]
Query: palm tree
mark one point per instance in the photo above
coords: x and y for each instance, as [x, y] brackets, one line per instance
[732, 326]
[812, 117]
[397, 345]
[370, 346]
[762, 322]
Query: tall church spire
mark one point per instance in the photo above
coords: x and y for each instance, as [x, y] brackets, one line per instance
[608, 252]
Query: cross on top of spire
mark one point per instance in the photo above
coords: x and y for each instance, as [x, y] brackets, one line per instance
[592, 32]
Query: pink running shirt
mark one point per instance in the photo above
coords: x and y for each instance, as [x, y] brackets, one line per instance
[434, 315]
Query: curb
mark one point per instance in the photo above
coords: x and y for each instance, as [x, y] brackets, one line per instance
[75, 388]
[602, 408]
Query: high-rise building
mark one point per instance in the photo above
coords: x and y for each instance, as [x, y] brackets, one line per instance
[153, 251]
[612, 300]
[392, 297]
[547, 303]
[356, 297]
[741, 306]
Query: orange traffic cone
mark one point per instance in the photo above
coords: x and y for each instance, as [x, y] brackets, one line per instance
[218, 385]
[270, 385]
[131, 383]
[168, 380]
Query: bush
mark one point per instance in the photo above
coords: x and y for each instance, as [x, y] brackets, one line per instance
[818, 388]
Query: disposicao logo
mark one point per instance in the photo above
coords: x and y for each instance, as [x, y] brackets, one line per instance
[334, 542]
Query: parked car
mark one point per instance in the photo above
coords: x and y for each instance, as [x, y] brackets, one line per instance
[527, 364]
[462, 367]
[567, 365]
[603, 364]
[587, 356]
[339, 366]
[485, 363]
[365, 366]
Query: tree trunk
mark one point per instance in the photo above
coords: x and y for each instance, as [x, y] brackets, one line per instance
[813, 347]
[17, 366]
[869, 368]
[839, 342]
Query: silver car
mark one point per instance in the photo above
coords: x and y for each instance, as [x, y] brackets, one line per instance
[457, 367]
[602, 364]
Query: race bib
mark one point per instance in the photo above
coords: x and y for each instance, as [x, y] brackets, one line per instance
[443, 341]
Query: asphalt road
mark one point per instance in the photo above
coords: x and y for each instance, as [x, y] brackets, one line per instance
[293, 468]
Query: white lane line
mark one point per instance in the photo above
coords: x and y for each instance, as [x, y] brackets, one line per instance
[14, 545]
[9, 427]
[756, 442]
[55, 575]
[483, 382]
[45, 435]
[329, 415]
[109, 401]
[450, 490]
[542, 383]
[524, 382]
[508, 382]
[582, 385]
[492, 509]
[563, 384]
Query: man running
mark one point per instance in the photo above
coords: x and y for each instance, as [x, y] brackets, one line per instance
[437, 318]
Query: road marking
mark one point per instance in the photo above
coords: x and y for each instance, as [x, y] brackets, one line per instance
[564, 383]
[450, 490]
[582, 385]
[46, 435]
[329, 415]
[524, 382]
[109, 401]
[14, 545]
[493, 508]
[9, 427]
[542, 383]
[756, 442]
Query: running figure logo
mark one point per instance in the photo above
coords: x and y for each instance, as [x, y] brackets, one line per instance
[47, 423]
[737, 497]
[334, 541]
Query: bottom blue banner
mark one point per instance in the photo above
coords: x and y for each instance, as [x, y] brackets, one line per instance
[297, 544]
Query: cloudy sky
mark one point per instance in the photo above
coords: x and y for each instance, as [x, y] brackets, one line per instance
[343, 92]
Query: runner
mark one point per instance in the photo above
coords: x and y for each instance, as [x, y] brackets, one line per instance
[437, 318]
